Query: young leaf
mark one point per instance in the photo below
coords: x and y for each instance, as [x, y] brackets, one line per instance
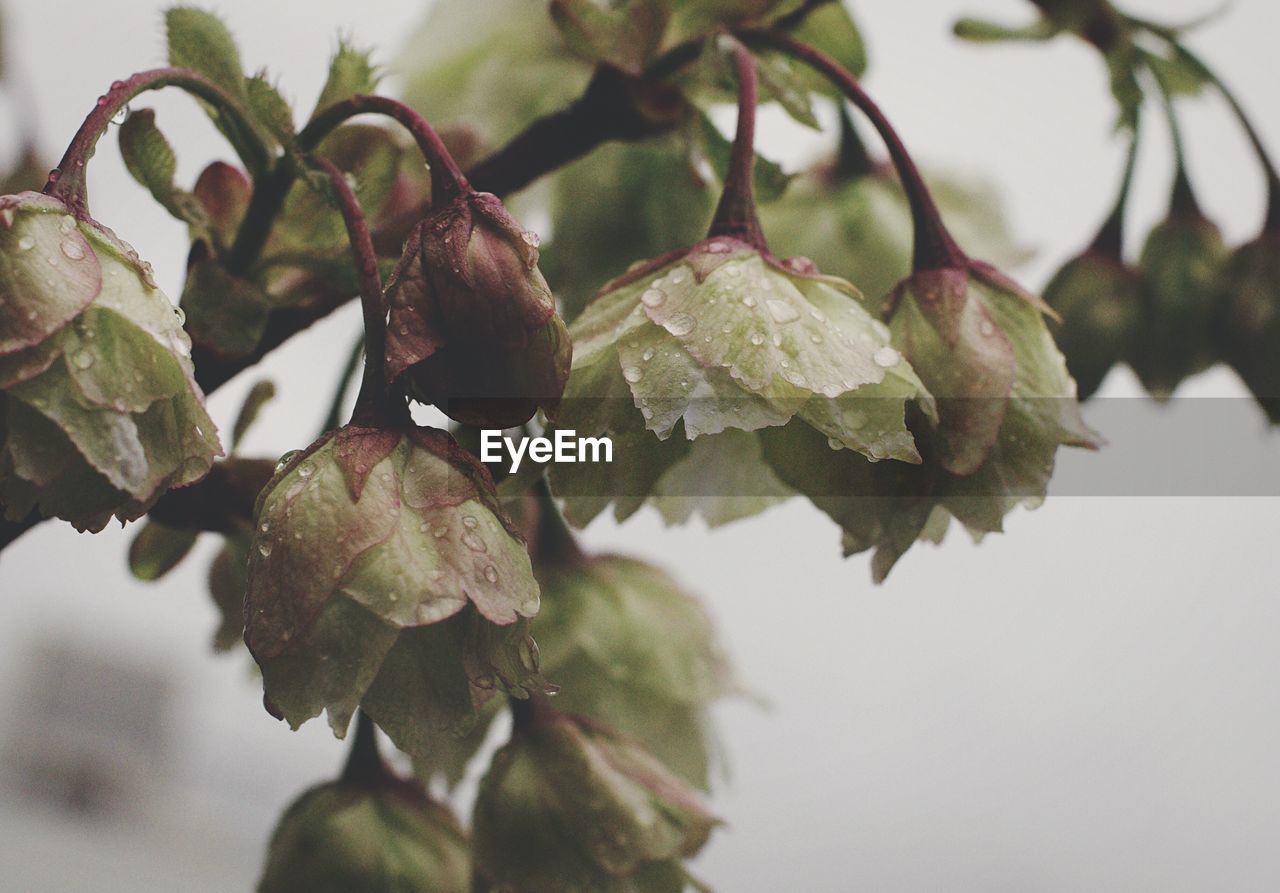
[259, 396]
[200, 41]
[158, 549]
[270, 108]
[350, 74]
[150, 160]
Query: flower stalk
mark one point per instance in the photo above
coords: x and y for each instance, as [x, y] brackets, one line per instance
[736, 214]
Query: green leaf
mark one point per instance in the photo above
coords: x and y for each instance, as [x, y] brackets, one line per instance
[831, 28]
[351, 73]
[199, 40]
[1178, 74]
[150, 160]
[225, 313]
[270, 108]
[259, 395]
[158, 549]
[983, 31]
[624, 34]
[228, 581]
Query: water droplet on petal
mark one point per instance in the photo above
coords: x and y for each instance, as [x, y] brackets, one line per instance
[678, 276]
[757, 339]
[647, 355]
[264, 549]
[681, 324]
[473, 542]
[748, 301]
[886, 357]
[469, 522]
[67, 223]
[440, 531]
[815, 337]
[491, 574]
[987, 328]
[633, 374]
[653, 297]
[306, 469]
[26, 243]
[82, 359]
[834, 444]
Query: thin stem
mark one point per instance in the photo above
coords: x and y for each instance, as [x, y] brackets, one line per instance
[68, 180]
[1183, 198]
[934, 246]
[334, 418]
[364, 763]
[554, 543]
[736, 213]
[372, 405]
[1110, 239]
[1255, 139]
[447, 179]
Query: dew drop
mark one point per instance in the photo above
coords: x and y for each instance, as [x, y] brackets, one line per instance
[82, 359]
[681, 324]
[531, 239]
[67, 223]
[653, 297]
[647, 355]
[781, 310]
[706, 339]
[886, 357]
[473, 542]
[264, 550]
[633, 374]
[757, 339]
[678, 276]
[72, 250]
[834, 444]
[286, 459]
[748, 301]
[306, 469]
[491, 574]
[777, 340]
[718, 248]
[469, 522]
[987, 328]
[815, 338]
[26, 243]
[440, 532]
[832, 391]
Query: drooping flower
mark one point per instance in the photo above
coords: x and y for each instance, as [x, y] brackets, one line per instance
[713, 342]
[384, 575]
[101, 412]
[569, 804]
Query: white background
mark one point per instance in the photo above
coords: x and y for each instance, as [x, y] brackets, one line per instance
[1088, 702]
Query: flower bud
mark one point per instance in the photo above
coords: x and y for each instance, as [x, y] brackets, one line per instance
[101, 410]
[572, 805]
[629, 648]
[720, 340]
[1099, 301]
[1250, 323]
[1181, 266]
[482, 268]
[345, 836]
[383, 575]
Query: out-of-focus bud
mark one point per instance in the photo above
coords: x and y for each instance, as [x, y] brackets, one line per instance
[1250, 320]
[572, 805]
[101, 413]
[384, 836]
[1099, 301]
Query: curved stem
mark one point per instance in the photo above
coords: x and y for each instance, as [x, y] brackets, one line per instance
[372, 405]
[1110, 239]
[447, 179]
[934, 246]
[1255, 139]
[68, 181]
[736, 213]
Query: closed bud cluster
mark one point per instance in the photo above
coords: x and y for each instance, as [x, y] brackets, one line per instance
[99, 409]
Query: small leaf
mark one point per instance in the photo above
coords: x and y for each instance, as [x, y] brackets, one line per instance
[200, 41]
[270, 108]
[150, 160]
[982, 31]
[350, 74]
[158, 549]
[259, 395]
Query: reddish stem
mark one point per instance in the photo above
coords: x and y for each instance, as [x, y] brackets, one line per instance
[736, 213]
[372, 404]
[68, 182]
[447, 179]
[934, 246]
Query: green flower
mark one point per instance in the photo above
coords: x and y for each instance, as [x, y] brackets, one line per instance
[99, 409]
[1005, 403]
[629, 648]
[1250, 318]
[386, 836]
[720, 341]
[383, 575]
[1099, 300]
[571, 805]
